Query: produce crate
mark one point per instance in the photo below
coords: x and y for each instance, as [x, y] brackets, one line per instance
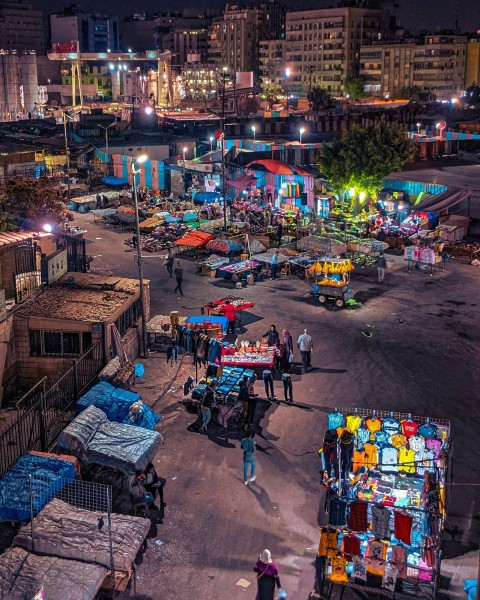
[120, 582]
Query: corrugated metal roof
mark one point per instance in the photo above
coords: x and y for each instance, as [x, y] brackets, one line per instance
[10, 238]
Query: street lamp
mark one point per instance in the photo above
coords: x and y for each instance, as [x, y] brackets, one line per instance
[418, 128]
[140, 160]
[211, 143]
[106, 136]
[184, 152]
[301, 131]
[254, 129]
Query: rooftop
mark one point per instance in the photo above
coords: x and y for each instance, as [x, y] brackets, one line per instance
[11, 238]
[82, 297]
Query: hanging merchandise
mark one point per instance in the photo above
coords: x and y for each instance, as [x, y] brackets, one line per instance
[403, 527]
[381, 522]
[385, 502]
[390, 576]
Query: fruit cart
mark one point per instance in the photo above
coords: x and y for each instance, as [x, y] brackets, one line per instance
[331, 281]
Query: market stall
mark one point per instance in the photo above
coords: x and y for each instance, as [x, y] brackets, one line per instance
[23, 575]
[386, 475]
[250, 355]
[208, 266]
[162, 328]
[366, 251]
[120, 406]
[463, 250]
[163, 236]
[226, 404]
[64, 531]
[423, 258]
[238, 304]
[51, 475]
[94, 439]
[235, 271]
[194, 239]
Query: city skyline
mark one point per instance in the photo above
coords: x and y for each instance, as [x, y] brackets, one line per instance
[415, 15]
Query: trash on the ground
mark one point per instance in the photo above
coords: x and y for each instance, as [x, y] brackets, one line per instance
[171, 390]
[243, 583]
[367, 334]
[159, 543]
[173, 478]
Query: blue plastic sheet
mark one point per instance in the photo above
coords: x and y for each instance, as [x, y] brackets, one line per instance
[139, 370]
[49, 476]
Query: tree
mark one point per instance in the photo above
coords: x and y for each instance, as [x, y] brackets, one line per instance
[354, 88]
[363, 157]
[272, 95]
[319, 98]
[411, 93]
[33, 199]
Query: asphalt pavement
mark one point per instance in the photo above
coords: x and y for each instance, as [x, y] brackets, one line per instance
[421, 358]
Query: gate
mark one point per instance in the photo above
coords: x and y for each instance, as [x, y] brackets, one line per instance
[27, 275]
[76, 253]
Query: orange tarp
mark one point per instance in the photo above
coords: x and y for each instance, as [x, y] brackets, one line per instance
[195, 239]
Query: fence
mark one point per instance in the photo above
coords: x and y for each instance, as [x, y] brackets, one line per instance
[42, 414]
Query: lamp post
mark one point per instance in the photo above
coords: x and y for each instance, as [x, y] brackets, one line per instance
[106, 139]
[301, 131]
[254, 129]
[224, 183]
[184, 152]
[67, 154]
[418, 128]
[140, 160]
[211, 143]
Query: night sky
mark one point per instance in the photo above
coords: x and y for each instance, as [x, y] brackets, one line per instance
[415, 14]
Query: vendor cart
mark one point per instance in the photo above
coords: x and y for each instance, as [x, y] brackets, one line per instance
[331, 281]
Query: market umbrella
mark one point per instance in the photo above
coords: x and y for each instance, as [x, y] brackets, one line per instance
[273, 166]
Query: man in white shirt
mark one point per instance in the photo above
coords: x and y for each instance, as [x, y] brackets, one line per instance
[305, 345]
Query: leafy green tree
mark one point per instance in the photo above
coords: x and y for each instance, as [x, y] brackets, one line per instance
[319, 98]
[354, 88]
[363, 157]
[411, 93]
[33, 199]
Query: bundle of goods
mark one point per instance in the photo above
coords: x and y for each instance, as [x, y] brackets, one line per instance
[149, 224]
[161, 215]
[241, 266]
[256, 247]
[332, 267]
[225, 246]
[162, 237]
[396, 231]
[463, 248]
[190, 215]
[111, 369]
[235, 301]
[227, 386]
[315, 242]
[369, 246]
[214, 261]
[421, 254]
[194, 239]
[173, 219]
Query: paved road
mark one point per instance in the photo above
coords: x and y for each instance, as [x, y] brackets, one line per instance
[420, 359]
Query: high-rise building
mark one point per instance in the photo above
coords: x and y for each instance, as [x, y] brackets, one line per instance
[234, 37]
[272, 63]
[323, 46]
[437, 66]
[94, 32]
[472, 70]
[21, 27]
[185, 41]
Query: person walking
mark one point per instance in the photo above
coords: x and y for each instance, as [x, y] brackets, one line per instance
[243, 396]
[287, 387]
[229, 311]
[305, 345]
[279, 233]
[248, 447]
[267, 576]
[179, 277]
[251, 408]
[274, 265]
[206, 408]
[134, 240]
[288, 345]
[381, 263]
[268, 383]
[169, 261]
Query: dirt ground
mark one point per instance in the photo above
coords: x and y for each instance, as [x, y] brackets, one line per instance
[421, 358]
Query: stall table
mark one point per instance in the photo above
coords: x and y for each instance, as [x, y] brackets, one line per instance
[265, 359]
[237, 269]
[159, 330]
[216, 306]
[203, 322]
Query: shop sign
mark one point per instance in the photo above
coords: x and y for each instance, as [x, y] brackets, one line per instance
[196, 166]
[55, 266]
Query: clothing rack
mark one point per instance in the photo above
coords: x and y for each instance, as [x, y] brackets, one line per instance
[384, 414]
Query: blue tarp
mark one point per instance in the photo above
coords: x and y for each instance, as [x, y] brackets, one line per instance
[112, 180]
[49, 476]
[208, 197]
[116, 403]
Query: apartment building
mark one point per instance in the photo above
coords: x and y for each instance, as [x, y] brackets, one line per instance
[94, 32]
[437, 66]
[272, 63]
[234, 37]
[21, 27]
[472, 69]
[323, 46]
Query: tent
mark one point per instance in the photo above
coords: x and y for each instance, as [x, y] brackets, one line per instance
[451, 197]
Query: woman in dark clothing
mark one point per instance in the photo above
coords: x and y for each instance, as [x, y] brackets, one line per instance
[272, 335]
[267, 576]
[153, 483]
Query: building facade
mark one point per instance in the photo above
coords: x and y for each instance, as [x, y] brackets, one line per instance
[94, 32]
[138, 33]
[234, 38]
[323, 46]
[437, 67]
[272, 63]
[21, 27]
